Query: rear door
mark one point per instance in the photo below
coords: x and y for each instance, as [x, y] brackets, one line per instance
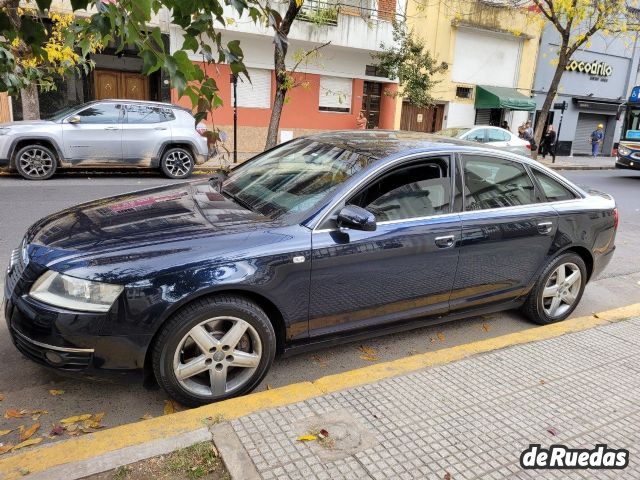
[404, 269]
[146, 128]
[507, 232]
[97, 138]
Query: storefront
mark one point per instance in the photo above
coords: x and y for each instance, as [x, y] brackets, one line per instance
[595, 85]
[495, 105]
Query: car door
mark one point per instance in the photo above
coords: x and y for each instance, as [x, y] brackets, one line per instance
[507, 232]
[402, 270]
[146, 128]
[93, 136]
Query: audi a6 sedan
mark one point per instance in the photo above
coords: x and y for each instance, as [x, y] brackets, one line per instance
[324, 239]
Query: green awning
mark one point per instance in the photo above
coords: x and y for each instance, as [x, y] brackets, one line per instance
[503, 97]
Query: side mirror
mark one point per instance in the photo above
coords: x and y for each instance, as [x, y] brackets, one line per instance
[74, 119]
[357, 218]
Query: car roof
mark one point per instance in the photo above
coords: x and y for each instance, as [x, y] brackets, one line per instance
[141, 102]
[379, 144]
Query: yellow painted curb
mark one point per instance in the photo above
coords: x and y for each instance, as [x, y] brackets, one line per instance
[99, 443]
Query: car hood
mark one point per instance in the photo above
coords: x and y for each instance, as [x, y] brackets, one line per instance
[26, 123]
[160, 222]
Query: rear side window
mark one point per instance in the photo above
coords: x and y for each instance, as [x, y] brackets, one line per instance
[477, 135]
[552, 189]
[148, 114]
[496, 135]
[495, 183]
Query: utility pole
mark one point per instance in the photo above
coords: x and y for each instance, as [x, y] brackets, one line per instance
[562, 106]
[234, 80]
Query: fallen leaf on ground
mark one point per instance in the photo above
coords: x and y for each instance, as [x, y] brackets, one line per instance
[169, 407]
[35, 415]
[369, 353]
[76, 418]
[56, 430]
[55, 393]
[146, 416]
[24, 471]
[269, 387]
[323, 433]
[447, 476]
[485, 326]
[27, 443]
[441, 336]
[13, 413]
[4, 432]
[6, 448]
[552, 431]
[28, 433]
[542, 382]
[1, 397]
[595, 315]
[319, 361]
[307, 438]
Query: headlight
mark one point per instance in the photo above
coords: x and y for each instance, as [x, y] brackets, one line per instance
[74, 293]
[624, 151]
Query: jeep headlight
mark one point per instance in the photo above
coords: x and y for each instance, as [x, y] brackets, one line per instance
[623, 151]
[72, 293]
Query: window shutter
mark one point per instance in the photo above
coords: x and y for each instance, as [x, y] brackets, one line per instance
[335, 94]
[257, 93]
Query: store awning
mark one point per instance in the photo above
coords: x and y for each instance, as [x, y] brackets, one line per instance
[503, 97]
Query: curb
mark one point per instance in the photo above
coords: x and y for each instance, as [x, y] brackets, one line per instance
[133, 437]
[556, 166]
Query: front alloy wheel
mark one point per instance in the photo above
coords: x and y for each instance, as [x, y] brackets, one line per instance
[214, 348]
[35, 162]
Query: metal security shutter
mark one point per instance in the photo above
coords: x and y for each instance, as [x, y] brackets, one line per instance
[335, 94]
[257, 93]
[587, 123]
[483, 116]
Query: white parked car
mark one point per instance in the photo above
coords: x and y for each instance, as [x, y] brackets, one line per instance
[493, 136]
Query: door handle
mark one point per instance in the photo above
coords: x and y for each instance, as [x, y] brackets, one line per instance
[445, 242]
[111, 128]
[545, 227]
[160, 128]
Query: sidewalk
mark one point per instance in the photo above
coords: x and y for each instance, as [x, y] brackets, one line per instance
[461, 413]
[471, 419]
[579, 163]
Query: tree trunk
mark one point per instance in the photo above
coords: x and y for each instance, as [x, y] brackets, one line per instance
[30, 102]
[281, 93]
[563, 59]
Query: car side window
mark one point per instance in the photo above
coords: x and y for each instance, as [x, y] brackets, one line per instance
[417, 190]
[101, 113]
[552, 189]
[495, 135]
[494, 183]
[478, 135]
[148, 114]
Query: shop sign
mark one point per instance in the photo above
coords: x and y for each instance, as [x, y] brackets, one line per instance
[596, 70]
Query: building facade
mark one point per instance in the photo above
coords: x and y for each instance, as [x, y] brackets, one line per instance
[490, 52]
[335, 85]
[597, 82]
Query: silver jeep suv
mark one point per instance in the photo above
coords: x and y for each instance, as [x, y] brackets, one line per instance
[105, 134]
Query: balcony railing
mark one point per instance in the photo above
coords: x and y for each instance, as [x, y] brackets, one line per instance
[326, 13]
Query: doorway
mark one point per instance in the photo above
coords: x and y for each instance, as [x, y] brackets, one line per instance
[116, 84]
[371, 103]
[421, 119]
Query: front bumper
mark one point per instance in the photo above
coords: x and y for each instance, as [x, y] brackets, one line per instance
[627, 163]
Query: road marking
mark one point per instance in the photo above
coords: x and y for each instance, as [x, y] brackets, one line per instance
[99, 443]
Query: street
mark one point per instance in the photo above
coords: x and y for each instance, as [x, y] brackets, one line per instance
[26, 385]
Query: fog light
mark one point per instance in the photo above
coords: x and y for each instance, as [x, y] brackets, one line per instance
[54, 358]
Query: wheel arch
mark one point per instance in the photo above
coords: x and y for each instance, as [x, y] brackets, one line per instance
[273, 313]
[42, 141]
[586, 256]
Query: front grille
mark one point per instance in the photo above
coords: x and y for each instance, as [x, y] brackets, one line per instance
[72, 361]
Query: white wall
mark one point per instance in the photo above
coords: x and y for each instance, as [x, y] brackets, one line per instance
[518, 117]
[459, 115]
[484, 58]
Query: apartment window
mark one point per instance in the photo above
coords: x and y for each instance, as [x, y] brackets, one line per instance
[464, 92]
[257, 93]
[335, 94]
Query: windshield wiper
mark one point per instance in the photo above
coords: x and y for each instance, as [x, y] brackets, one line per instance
[235, 198]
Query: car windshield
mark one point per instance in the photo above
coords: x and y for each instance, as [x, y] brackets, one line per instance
[60, 114]
[453, 132]
[631, 129]
[292, 178]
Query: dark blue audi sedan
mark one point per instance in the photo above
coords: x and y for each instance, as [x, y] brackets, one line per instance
[323, 239]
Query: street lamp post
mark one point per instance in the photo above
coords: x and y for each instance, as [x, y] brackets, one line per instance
[562, 106]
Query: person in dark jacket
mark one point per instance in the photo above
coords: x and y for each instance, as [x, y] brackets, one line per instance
[548, 142]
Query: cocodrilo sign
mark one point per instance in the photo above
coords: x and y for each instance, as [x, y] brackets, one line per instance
[590, 68]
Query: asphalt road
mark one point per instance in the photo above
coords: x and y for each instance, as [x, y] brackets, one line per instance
[25, 385]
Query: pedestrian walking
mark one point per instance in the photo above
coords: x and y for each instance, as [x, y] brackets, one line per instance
[548, 142]
[597, 138]
[361, 121]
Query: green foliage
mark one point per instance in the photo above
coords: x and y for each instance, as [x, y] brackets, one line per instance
[412, 65]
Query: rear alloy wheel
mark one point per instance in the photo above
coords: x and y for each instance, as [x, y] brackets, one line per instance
[35, 162]
[177, 163]
[214, 349]
[558, 291]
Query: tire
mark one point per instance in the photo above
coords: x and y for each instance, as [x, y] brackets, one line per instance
[35, 162]
[189, 362]
[539, 306]
[177, 162]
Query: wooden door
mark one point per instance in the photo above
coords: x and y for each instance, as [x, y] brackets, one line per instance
[371, 103]
[5, 108]
[114, 84]
[421, 119]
